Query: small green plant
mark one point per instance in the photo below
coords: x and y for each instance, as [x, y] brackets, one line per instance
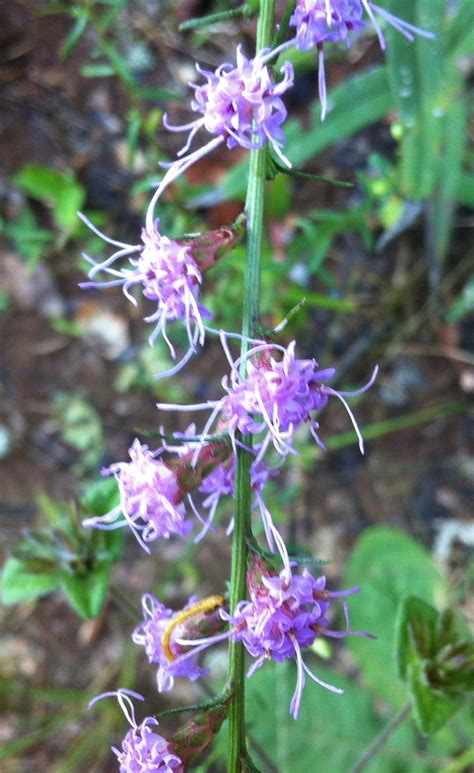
[62, 195]
[60, 554]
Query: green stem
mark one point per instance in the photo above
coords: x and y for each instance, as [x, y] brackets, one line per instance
[381, 739]
[238, 579]
[213, 18]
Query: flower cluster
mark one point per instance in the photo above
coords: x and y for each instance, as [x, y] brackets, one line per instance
[142, 748]
[150, 498]
[240, 103]
[169, 277]
[274, 398]
[317, 22]
[283, 616]
[161, 631]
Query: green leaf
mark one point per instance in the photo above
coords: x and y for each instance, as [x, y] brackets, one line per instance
[86, 593]
[101, 496]
[135, 122]
[39, 182]
[334, 729]
[388, 565]
[97, 71]
[71, 199]
[30, 241]
[417, 82]
[52, 511]
[58, 189]
[358, 102]
[465, 191]
[431, 708]
[319, 300]
[120, 68]
[154, 94]
[278, 200]
[454, 130]
[20, 584]
[214, 18]
[73, 36]
[452, 628]
[415, 633]
[460, 33]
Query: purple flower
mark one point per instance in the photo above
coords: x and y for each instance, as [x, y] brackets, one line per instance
[221, 482]
[285, 615]
[321, 21]
[317, 21]
[150, 633]
[142, 749]
[150, 498]
[169, 277]
[240, 104]
[274, 398]
[161, 634]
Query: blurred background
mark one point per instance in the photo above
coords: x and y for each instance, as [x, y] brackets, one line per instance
[386, 267]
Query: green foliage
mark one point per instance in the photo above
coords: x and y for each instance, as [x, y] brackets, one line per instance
[58, 190]
[100, 497]
[29, 240]
[86, 592]
[435, 655]
[427, 89]
[105, 23]
[463, 305]
[247, 10]
[116, 55]
[19, 583]
[423, 83]
[318, 232]
[339, 727]
[388, 565]
[279, 294]
[416, 632]
[60, 553]
[62, 194]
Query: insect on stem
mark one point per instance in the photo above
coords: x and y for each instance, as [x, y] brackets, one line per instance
[205, 605]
